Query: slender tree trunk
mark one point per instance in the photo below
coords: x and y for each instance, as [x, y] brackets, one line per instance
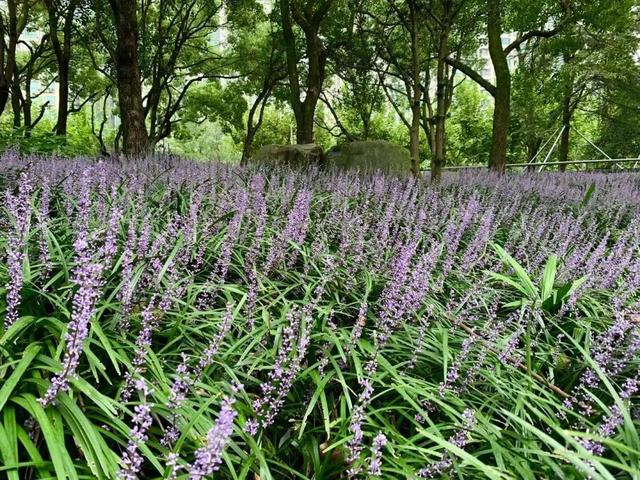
[309, 21]
[414, 140]
[428, 117]
[4, 84]
[10, 71]
[16, 99]
[366, 127]
[26, 102]
[62, 51]
[135, 140]
[247, 147]
[563, 149]
[63, 97]
[438, 160]
[315, 78]
[502, 97]
[253, 124]
[414, 129]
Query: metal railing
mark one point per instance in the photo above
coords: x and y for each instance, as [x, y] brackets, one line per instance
[616, 161]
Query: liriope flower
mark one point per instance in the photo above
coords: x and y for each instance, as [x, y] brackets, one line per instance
[209, 457]
[460, 439]
[87, 274]
[131, 460]
[187, 377]
[19, 207]
[291, 353]
[148, 323]
[375, 464]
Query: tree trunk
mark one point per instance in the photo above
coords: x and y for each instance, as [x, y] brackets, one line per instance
[304, 127]
[414, 140]
[16, 99]
[135, 140]
[254, 125]
[315, 79]
[62, 51]
[292, 61]
[26, 102]
[10, 70]
[563, 149]
[502, 97]
[4, 84]
[63, 97]
[414, 129]
[500, 133]
[309, 21]
[438, 159]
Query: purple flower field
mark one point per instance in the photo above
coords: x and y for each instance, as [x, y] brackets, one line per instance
[170, 319]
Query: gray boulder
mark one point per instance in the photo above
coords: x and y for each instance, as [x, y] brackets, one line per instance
[290, 155]
[371, 155]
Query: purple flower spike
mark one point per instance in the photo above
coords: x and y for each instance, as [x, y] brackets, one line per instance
[19, 207]
[87, 275]
[376, 454]
[209, 457]
[131, 459]
[460, 439]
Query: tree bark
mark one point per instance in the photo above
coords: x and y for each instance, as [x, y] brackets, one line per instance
[134, 132]
[16, 98]
[26, 101]
[7, 80]
[4, 84]
[502, 97]
[563, 149]
[416, 97]
[438, 157]
[309, 21]
[62, 51]
[63, 96]
[414, 139]
[253, 125]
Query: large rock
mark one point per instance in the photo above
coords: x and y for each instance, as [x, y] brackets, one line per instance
[291, 155]
[371, 155]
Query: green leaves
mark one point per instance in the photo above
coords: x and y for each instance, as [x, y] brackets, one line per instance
[522, 282]
[50, 424]
[548, 278]
[588, 194]
[547, 295]
[9, 385]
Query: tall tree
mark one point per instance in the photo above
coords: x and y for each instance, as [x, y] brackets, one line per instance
[596, 53]
[359, 88]
[176, 53]
[11, 27]
[404, 69]
[309, 15]
[416, 38]
[134, 130]
[445, 27]
[495, 11]
[34, 59]
[61, 15]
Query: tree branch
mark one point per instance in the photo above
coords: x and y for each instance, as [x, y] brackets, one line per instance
[528, 36]
[472, 74]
